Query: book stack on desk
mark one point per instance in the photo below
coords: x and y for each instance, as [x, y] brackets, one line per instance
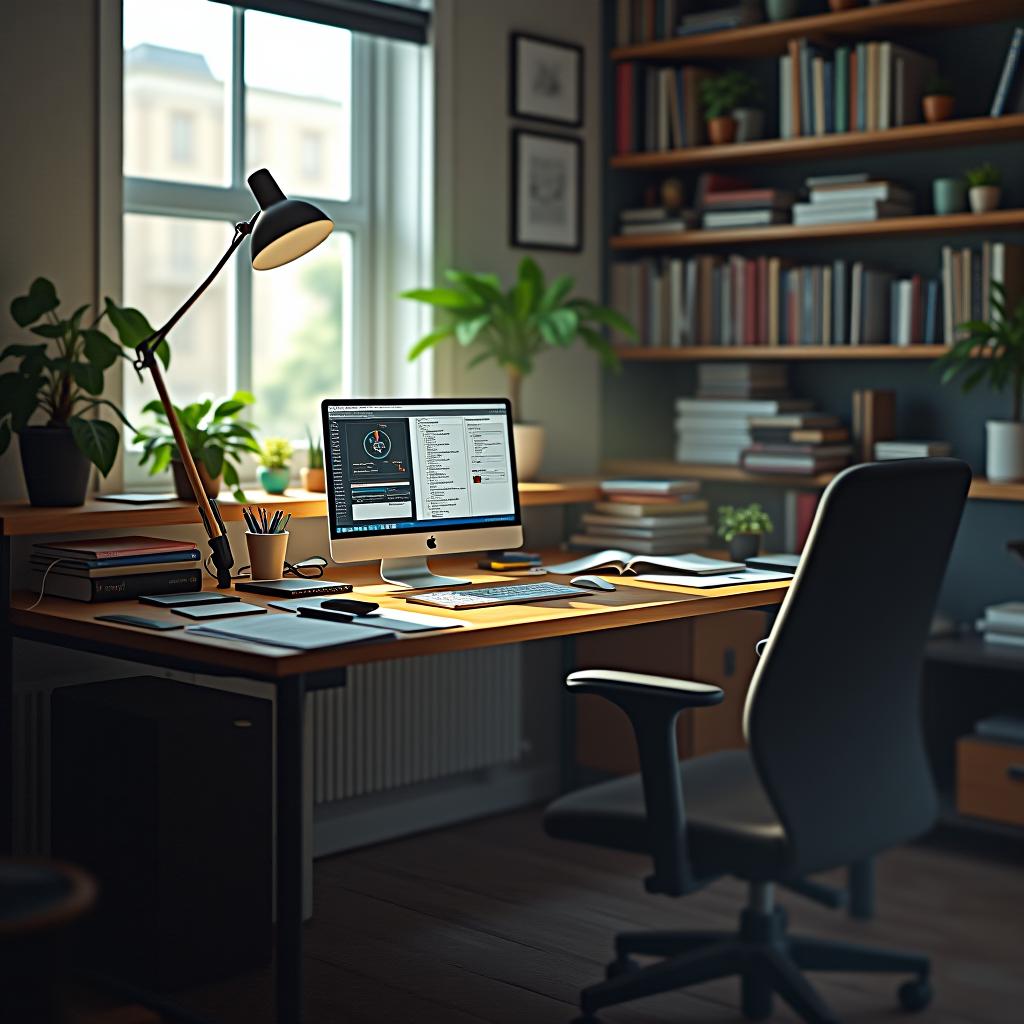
[1003, 624]
[650, 517]
[801, 442]
[116, 568]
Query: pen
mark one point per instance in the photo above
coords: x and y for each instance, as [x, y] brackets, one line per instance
[273, 522]
[263, 518]
[284, 525]
[249, 521]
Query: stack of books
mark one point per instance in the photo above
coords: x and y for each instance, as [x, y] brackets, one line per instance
[649, 517]
[850, 198]
[720, 19]
[655, 220]
[1001, 728]
[798, 443]
[657, 108]
[967, 278]
[643, 21]
[747, 207]
[742, 380]
[886, 451]
[116, 568]
[1003, 624]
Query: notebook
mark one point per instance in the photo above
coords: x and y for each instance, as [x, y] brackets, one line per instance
[291, 631]
[730, 579]
[625, 564]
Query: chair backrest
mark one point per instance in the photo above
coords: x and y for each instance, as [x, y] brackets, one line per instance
[833, 714]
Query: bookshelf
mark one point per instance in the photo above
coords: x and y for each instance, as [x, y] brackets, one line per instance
[744, 353]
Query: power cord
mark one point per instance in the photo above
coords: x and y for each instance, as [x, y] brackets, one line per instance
[42, 585]
[308, 569]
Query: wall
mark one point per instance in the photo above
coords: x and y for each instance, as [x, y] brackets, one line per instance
[474, 180]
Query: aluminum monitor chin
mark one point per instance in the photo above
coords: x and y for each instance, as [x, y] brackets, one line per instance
[408, 478]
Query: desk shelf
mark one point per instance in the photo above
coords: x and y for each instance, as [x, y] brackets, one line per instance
[788, 353]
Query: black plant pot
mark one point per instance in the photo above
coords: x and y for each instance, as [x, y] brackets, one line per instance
[56, 472]
[744, 546]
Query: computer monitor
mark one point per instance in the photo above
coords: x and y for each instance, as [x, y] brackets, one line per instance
[410, 477]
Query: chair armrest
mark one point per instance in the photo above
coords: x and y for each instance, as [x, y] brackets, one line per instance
[613, 683]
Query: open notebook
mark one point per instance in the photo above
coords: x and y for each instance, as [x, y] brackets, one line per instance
[626, 564]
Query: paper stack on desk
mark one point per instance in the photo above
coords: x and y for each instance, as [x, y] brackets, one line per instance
[292, 631]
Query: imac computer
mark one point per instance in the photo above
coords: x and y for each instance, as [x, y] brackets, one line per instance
[407, 478]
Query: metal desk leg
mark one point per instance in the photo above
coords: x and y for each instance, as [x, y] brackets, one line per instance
[6, 704]
[290, 706]
[569, 771]
[861, 880]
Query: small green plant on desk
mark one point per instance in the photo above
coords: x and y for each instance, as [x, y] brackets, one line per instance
[275, 464]
[742, 528]
[992, 352]
[312, 475]
[61, 376]
[215, 436]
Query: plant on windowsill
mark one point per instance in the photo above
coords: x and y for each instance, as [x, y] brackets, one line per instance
[993, 352]
[722, 96]
[215, 436]
[275, 464]
[61, 377]
[983, 187]
[513, 328]
[312, 474]
[742, 528]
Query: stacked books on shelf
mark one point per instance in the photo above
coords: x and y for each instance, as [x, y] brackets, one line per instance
[1001, 728]
[967, 277]
[643, 21]
[852, 198]
[886, 451]
[657, 109]
[797, 443]
[655, 220]
[746, 207]
[1003, 624]
[115, 568]
[869, 86]
[649, 517]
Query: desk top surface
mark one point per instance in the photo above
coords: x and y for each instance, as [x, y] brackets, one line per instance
[633, 603]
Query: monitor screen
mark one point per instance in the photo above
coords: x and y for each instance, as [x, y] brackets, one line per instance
[420, 465]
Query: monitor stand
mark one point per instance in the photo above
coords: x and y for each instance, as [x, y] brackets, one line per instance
[414, 574]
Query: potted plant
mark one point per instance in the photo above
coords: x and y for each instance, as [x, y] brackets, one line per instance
[64, 383]
[312, 474]
[721, 96]
[937, 101]
[275, 464]
[742, 528]
[983, 188]
[513, 328]
[215, 436]
[993, 352]
[781, 10]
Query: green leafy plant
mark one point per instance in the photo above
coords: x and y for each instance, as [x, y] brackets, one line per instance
[276, 453]
[62, 376]
[991, 351]
[986, 174]
[215, 436]
[743, 519]
[938, 85]
[314, 450]
[513, 327]
[721, 94]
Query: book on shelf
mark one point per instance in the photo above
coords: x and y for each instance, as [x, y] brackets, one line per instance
[967, 278]
[747, 199]
[669, 226]
[886, 450]
[798, 463]
[104, 569]
[1004, 728]
[699, 538]
[626, 563]
[1010, 78]
[794, 421]
[873, 419]
[713, 220]
[852, 212]
[626, 506]
[118, 550]
[999, 637]
[720, 19]
[119, 588]
[657, 109]
[845, 193]
[644, 21]
[647, 525]
[1008, 615]
[649, 487]
[741, 407]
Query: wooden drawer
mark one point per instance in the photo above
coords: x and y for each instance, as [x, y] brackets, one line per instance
[990, 780]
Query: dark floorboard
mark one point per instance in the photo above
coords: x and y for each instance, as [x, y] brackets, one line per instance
[494, 923]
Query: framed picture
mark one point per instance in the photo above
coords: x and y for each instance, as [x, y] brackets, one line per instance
[545, 80]
[547, 191]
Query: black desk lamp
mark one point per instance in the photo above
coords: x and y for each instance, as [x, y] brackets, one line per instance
[282, 230]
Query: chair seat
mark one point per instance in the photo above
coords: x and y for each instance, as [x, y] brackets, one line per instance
[732, 827]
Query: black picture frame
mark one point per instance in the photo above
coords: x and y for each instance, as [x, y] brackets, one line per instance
[518, 45]
[526, 231]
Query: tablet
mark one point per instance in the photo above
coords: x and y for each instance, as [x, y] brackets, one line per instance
[220, 611]
[198, 597]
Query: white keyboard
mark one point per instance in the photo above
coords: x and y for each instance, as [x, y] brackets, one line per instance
[458, 600]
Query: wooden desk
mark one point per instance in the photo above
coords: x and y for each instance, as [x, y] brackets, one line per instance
[72, 624]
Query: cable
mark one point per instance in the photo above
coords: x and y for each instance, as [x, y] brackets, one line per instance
[42, 585]
[311, 568]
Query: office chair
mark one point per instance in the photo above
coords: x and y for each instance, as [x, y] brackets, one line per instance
[836, 769]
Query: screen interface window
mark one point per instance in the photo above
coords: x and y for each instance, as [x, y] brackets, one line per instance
[418, 467]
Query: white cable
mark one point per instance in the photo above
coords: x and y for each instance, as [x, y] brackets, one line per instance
[42, 585]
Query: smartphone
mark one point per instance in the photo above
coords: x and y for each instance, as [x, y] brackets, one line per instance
[350, 605]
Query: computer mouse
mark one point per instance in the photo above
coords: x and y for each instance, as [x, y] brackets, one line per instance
[592, 583]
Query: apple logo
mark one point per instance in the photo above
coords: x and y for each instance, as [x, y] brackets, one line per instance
[431, 543]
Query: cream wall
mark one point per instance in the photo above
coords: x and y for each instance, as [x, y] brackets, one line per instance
[474, 179]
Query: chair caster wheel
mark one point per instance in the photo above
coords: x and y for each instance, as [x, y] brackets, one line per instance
[915, 995]
[621, 965]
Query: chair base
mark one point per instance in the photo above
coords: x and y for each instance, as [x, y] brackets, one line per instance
[761, 954]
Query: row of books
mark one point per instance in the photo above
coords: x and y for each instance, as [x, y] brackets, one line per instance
[797, 443]
[852, 198]
[646, 517]
[967, 277]
[657, 108]
[643, 21]
[116, 568]
[1003, 624]
[870, 86]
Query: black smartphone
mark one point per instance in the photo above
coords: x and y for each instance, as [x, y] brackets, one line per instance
[350, 605]
[220, 611]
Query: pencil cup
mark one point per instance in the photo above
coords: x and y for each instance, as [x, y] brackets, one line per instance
[266, 554]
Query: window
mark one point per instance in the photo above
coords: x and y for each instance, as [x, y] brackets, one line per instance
[236, 90]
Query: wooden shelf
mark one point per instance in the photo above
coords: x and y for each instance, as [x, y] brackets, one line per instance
[19, 519]
[922, 224]
[770, 38]
[693, 353]
[712, 474]
[973, 131]
[986, 490]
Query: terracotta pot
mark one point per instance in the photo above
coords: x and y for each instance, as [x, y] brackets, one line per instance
[56, 472]
[528, 439]
[842, 5]
[182, 487]
[937, 108]
[313, 479]
[984, 198]
[721, 130]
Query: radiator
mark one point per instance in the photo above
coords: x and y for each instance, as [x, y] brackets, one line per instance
[414, 720]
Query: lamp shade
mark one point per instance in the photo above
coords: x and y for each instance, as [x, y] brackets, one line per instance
[287, 228]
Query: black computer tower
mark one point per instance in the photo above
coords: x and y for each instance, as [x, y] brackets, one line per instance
[163, 790]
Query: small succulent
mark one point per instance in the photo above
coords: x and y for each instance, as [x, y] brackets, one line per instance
[986, 174]
[314, 450]
[938, 85]
[276, 453]
[743, 519]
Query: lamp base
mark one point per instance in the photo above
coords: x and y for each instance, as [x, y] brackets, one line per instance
[223, 560]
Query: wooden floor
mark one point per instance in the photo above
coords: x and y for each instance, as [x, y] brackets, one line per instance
[493, 922]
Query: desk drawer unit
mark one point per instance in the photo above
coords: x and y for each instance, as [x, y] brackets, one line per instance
[990, 780]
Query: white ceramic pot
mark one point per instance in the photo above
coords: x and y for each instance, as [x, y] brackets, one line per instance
[749, 124]
[1004, 451]
[984, 198]
[529, 441]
